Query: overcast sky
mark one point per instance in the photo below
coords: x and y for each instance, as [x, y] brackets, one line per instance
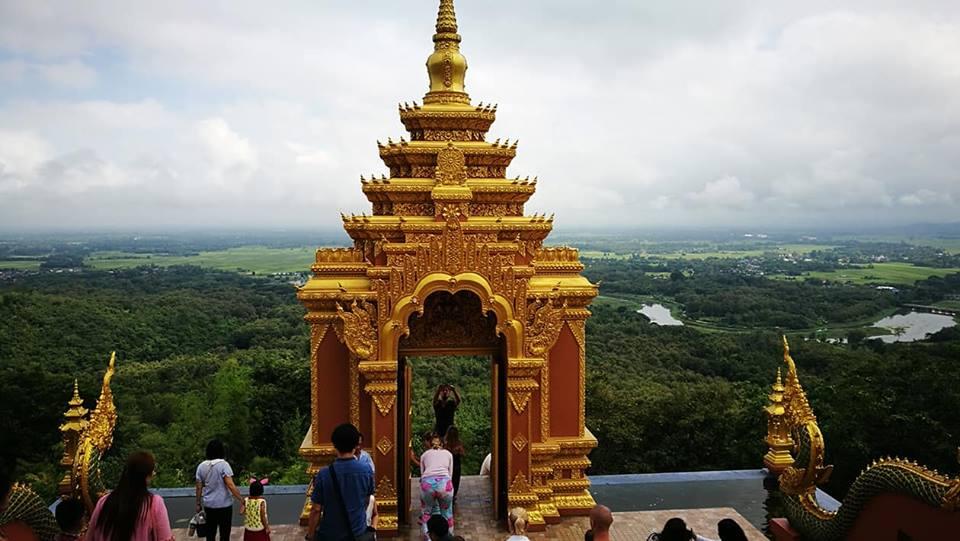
[246, 114]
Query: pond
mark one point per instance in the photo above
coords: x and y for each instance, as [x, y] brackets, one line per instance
[912, 326]
[659, 314]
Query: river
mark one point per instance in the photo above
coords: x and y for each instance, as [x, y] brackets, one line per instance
[912, 326]
[659, 314]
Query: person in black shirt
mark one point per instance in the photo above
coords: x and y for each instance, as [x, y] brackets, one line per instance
[445, 402]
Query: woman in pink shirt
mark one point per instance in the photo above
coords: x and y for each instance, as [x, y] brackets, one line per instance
[130, 512]
[436, 486]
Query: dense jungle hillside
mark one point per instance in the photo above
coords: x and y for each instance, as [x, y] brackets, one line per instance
[205, 353]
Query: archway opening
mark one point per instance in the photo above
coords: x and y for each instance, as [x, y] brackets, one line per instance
[453, 342]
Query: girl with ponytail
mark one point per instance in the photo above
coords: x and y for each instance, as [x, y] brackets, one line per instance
[518, 524]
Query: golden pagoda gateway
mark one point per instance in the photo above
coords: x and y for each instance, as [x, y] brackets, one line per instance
[447, 263]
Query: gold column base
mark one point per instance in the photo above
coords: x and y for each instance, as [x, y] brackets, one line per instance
[317, 457]
[777, 460]
[570, 505]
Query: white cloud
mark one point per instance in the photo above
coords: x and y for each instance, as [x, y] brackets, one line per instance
[818, 113]
[925, 197]
[12, 70]
[73, 74]
[725, 192]
[21, 152]
[70, 74]
[229, 153]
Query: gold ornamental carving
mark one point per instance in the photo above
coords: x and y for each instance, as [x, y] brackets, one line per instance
[451, 166]
[451, 321]
[385, 490]
[520, 485]
[519, 400]
[384, 403]
[357, 329]
[354, 375]
[317, 332]
[384, 445]
[544, 323]
[520, 442]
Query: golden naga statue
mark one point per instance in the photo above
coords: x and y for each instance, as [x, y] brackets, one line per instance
[86, 441]
[796, 453]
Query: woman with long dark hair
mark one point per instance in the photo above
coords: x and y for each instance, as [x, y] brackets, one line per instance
[452, 443]
[130, 512]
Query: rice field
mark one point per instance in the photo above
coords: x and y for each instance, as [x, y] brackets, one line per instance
[253, 259]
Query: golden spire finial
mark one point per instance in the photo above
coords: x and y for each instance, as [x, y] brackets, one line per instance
[75, 400]
[446, 66]
[446, 18]
[74, 415]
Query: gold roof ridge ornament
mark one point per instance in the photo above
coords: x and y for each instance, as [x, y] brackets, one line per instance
[446, 67]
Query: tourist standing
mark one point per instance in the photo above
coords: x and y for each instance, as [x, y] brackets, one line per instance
[452, 443]
[363, 456]
[130, 512]
[436, 485]
[216, 491]
[601, 519]
[341, 493]
[256, 527]
[446, 400]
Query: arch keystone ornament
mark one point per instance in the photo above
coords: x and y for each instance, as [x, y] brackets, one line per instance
[447, 262]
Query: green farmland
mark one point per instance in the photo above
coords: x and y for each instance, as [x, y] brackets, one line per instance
[255, 259]
[796, 249]
[19, 264]
[878, 273]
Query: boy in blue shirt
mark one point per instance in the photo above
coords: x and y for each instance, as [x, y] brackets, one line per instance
[326, 522]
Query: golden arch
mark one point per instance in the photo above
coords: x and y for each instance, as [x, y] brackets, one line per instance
[394, 329]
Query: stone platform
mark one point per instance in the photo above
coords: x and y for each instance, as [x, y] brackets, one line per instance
[474, 521]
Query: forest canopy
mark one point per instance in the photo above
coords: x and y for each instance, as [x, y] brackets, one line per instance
[204, 353]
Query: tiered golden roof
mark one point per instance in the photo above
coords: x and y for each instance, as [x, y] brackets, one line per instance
[444, 171]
